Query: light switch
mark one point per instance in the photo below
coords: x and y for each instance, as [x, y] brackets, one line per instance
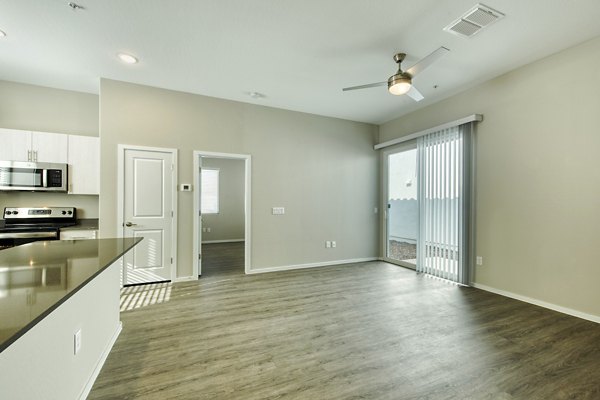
[278, 210]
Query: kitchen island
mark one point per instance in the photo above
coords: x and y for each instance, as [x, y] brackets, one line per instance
[59, 315]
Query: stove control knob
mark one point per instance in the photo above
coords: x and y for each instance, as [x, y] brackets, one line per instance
[69, 212]
[15, 212]
[64, 212]
[8, 212]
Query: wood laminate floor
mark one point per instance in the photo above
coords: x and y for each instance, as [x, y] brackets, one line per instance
[222, 259]
[358, 331]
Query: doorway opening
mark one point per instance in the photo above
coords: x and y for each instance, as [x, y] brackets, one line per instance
[402, 207]
[221, 213]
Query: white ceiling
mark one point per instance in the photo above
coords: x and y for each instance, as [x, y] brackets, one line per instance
[299, 53]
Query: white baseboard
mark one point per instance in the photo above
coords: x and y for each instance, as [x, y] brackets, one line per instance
[310, 265]
[554, 307]
[88, 386]
[223, 241]
[185, 279]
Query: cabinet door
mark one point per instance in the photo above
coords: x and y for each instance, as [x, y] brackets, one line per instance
[49, 147]
[84, 164]
[15, 145]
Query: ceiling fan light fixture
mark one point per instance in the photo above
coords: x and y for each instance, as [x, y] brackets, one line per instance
[399, 84]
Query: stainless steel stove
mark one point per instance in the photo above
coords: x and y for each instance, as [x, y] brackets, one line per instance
[29, 224]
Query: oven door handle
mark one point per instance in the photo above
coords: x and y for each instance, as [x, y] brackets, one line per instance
[27, 235]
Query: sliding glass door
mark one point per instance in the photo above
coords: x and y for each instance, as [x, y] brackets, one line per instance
[402, 207]
[428, 192]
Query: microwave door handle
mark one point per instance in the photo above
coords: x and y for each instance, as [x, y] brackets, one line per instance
[44, 178]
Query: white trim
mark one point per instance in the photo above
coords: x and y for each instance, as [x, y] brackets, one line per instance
[461, 121]
[197, 225]
[185, 279]
[551, 306]
[92, 379]
[310, 265]
[223, 241]
[121, 196]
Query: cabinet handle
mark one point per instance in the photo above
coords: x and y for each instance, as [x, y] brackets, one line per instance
[35, 155]
[28, 155]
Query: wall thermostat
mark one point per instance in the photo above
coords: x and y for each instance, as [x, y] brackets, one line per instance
[185, 187]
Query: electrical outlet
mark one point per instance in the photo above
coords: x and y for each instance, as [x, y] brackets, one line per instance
[375, 210]
[479, 260]
[77, 341]
[278, 210]
[203, 229]
[328, 244]
[208, 230]
[333, 244]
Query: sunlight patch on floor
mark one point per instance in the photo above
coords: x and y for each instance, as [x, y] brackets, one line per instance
[133, 297]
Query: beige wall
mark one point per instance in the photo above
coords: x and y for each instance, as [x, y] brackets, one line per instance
[228, 224]
[322, 170]
[87, 206]
[37, 108]
[538, 176]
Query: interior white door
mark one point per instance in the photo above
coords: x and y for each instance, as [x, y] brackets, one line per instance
[148, 213]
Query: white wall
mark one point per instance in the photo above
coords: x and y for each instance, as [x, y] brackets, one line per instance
[537, 176]
[37, 108]
[322, 170]
[228, 224]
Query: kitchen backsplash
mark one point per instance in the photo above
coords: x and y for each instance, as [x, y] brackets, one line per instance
[87, 205]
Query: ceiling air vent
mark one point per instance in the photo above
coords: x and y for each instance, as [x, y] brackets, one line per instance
[474, 21]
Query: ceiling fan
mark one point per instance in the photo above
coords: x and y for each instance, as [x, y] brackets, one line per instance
[401, 82]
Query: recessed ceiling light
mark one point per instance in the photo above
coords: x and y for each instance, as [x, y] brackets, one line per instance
[256, 95]
[2, 34]
[127, 58]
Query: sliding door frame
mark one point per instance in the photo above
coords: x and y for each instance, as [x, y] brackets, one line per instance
[408, 145]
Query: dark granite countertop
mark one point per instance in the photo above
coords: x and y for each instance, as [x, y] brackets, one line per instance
[38, 277]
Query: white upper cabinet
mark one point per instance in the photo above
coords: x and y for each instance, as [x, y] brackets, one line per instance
[16, 145]
[84, 164]
[82, 153]
[33, 146]
[49, 147]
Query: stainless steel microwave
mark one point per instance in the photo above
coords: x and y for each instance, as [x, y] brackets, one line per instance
[33, 176]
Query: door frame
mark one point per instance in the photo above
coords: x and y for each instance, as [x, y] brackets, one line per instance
[121, 148]
[408, 145]
[197, 234]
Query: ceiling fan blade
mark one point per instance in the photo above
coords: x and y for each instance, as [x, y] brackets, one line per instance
[427, 61]
[414, 94]
[370, 85]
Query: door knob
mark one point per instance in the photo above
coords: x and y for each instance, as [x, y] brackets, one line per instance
[128, 224]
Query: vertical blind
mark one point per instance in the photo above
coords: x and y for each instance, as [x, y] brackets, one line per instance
[443, 195]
